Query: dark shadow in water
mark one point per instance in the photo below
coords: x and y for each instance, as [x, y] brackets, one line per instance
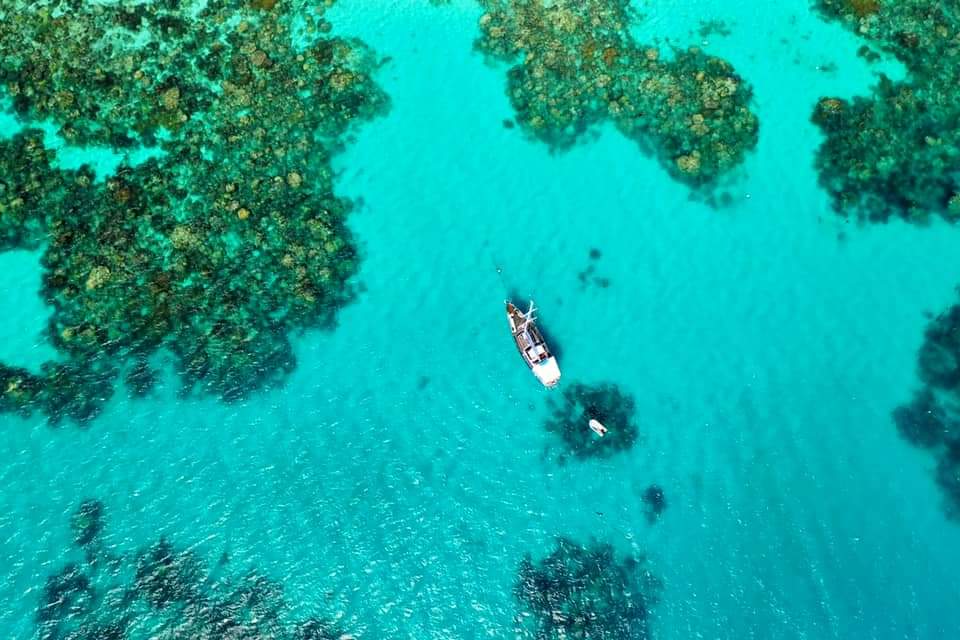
[654, 503]
[572, 410]
[517, 298]
[588, 277]
[931, 420]
[585, 591]
[108, 597]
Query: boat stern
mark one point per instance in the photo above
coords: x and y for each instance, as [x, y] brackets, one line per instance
[547, 372]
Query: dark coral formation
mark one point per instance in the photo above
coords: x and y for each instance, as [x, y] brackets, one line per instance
[585, 592]
[654, 503]
[580, 403]
[894, 153]
[31, 189]
[215, 250]
[75, 390]
[165, 576]
[130, 73]
[576, 65]
[931, 420]
[67, 595]
[588, 275]
[20, 390]
[169, 592]
[714, 27]
[87, 522]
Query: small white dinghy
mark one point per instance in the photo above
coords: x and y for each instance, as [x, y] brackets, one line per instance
[532, 346]
[597, 427]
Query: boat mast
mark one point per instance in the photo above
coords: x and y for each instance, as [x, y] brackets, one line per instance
[528, 317]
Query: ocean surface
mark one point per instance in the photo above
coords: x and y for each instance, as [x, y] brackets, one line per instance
[402, 472]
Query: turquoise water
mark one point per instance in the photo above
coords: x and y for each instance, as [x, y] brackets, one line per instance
[402, 472]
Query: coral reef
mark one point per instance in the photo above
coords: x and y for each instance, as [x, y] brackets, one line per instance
[894, 153]
[129, 73]
[167, 591]
[931, 420]
[66, 595]
[75, 390]
[571, 413]
[140, 378]
[587, 276]
[31, 190]
[20, 390]
[584, 592]
[577, 65]
[714, 27]
[165, 576]
[654, 503]
[219, 247]
[87, 522]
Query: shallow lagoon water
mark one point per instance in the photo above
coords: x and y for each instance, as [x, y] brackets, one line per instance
[402, 472]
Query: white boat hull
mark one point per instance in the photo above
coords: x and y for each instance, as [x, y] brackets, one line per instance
[532, 346]
[547, 372]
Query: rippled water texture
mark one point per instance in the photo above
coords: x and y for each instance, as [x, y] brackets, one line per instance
[381, 452]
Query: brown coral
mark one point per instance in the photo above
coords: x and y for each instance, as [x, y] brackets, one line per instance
[576, 64]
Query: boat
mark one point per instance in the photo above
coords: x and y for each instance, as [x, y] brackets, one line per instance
[532, 346]
[597, 427]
